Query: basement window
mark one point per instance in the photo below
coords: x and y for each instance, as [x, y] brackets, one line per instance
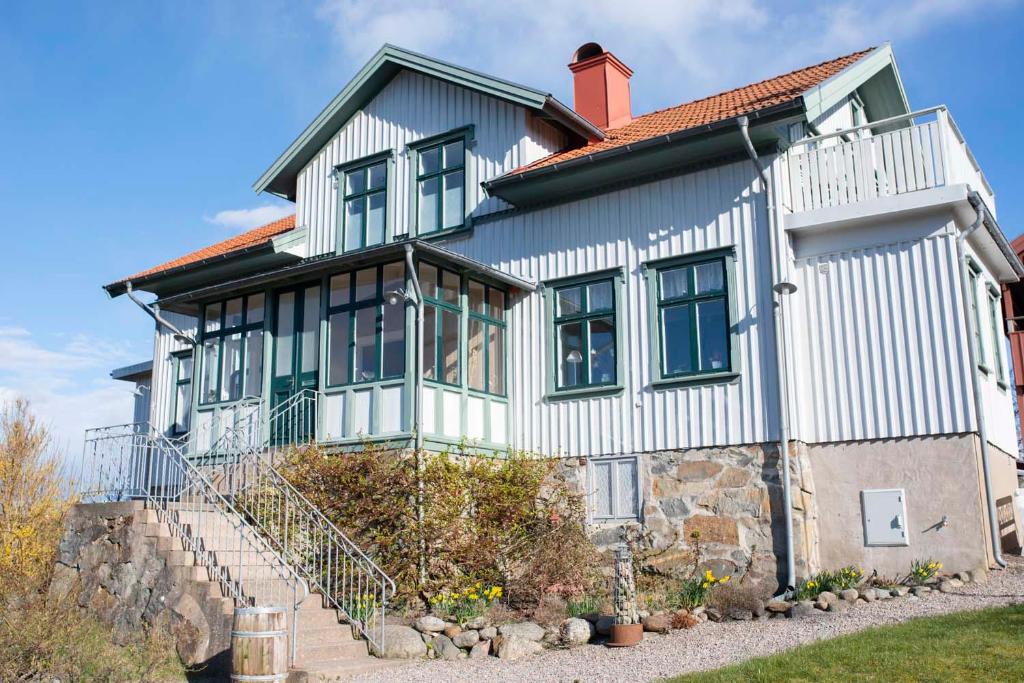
[614, 488]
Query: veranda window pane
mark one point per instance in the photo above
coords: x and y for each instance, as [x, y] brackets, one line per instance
[233, 313]
[184, 368]
[428, 280]
[394, 277]
[570, 354]
[311, 330]
[283, 335]
[428, 160]
[378, 176]
[450, 346]
[231, 369]
[182, 407]
[338, 352]
[393, 340]
[602, 489]
[476, 297]
[475, 355]
[213, 317]
[709, 277]
[449, 287]
[569, 300]
[427, 200]
[253, 363]
[429, 342]
[602, 351]
[340, 289]
[453, 190]
[355, 181]
[454, 154]
[599, 297]
[354, 223]
[675, 339]
[375, 219]
[712, 333]
[254, 304]
[366, 284]
[365, 367]
[496, 354]
[674, 282]
[211, 365]
[496, 299]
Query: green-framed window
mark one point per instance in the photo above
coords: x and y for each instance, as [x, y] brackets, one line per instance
[693, 319]
[232, 349]
[996, 318]
[366, 327]
[485, 338]
[182, 392]
[973, 276]
[442, 322]
[364, 199]
[440, 183]
[585, 337]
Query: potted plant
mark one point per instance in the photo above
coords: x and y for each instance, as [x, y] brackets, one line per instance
[627, 630]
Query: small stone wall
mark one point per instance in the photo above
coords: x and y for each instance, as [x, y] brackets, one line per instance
[134, 577]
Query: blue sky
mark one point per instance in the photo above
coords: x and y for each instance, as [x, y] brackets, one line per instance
[131, 132]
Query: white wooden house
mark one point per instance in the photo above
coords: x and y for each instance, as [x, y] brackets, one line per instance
[804, 266]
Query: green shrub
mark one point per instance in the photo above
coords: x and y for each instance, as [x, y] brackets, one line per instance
[583, 604]
[695, 591]
[831, 581]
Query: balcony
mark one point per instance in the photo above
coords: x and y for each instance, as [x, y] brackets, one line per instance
[880, 167]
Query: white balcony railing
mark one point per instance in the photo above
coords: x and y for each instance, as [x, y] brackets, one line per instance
[918, 151]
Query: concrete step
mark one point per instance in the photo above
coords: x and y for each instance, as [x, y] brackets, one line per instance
[342, 650]
[180, 558]
[319, 671]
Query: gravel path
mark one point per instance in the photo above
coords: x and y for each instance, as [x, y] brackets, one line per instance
[710, 645]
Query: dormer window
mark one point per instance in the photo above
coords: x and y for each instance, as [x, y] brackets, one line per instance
[363, 202]
[441, 182]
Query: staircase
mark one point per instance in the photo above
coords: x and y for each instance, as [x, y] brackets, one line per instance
[229, 518]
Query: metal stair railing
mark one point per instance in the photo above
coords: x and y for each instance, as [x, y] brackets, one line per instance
[133, 462]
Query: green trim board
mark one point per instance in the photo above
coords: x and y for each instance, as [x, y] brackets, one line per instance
[555, 317]
[280, 177]
[183, 373]
[687, 295]
[995, 316]
[973, 278]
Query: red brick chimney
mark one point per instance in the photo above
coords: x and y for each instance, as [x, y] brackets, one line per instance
[600, 87]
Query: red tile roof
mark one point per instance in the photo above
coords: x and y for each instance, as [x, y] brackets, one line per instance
[749, 98]
[250, 238]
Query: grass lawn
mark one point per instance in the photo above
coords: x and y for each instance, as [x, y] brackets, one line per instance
[968, 646]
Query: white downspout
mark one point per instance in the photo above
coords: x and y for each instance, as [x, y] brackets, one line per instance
[973, 353]
[778, 289]
[418, 411]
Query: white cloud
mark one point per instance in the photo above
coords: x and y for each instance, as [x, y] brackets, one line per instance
[678, 50]
[246, 219]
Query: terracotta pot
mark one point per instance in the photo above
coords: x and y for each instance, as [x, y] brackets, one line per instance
[626, 635]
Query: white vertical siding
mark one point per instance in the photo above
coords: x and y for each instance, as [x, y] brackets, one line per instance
[691, 213]
[164, 344]
[412, 107]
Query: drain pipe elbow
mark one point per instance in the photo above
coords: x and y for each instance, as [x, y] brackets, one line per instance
[155, 314]
[973, 353]
[776, 289]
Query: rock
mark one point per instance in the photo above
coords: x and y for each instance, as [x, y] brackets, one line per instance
[947, 586]
[698, 610]
[849, 595]
[481, 650]
[713, 614]
[758, 609]
[514, 647]
[657, 623]
[427, 637]
[868, 594]
[604, 625]
[821, 604]
[552, 637]
[979, 575]
[445, 648]
[899, 591]
[740, 614]
[576, 632]
[956, 583]
[476, 623]
[838, 606]
[827, 597]
[643, 614]
[466, 639]
[918, 591]
[803, 608]
[963, 576]
[452, 630]
[429, 624]
[778, 606]
[400, 642]
[527, 630]
[488, 633]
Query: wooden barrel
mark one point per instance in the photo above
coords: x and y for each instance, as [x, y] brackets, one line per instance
[259, 644]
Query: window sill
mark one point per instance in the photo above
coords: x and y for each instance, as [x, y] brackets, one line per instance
[586, 392]
[984, 368]
[706, 378]
[1003, 386]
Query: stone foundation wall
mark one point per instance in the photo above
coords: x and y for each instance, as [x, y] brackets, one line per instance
[131, 577]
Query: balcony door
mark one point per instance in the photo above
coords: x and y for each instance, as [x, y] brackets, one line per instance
[295, 363]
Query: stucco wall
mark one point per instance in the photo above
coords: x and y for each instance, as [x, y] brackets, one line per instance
[940, 477]
[1003, 468]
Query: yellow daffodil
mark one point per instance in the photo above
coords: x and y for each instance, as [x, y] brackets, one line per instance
[724, 579]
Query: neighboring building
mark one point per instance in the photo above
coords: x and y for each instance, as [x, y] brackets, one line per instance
[601, 285]
[141, 375]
